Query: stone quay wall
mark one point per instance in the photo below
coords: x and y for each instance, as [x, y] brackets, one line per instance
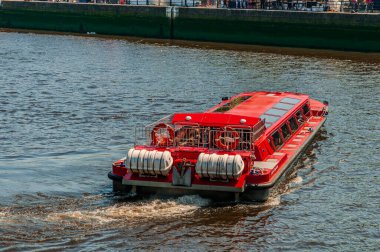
[324, 30]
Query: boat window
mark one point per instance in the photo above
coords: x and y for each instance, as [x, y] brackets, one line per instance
[277, 139]
[290, 100]
[269, 118]
[283, 106]
[299, 117]
[306, 109]
[270, 141]
[293, 124]
[276, 112]
[285, 131]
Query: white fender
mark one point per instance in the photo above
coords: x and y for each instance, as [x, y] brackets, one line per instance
[216, 166]
[149, 162]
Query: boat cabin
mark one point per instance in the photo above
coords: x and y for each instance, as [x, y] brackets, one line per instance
[259, 122]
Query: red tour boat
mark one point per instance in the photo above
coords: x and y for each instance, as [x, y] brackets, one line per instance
[241, 147]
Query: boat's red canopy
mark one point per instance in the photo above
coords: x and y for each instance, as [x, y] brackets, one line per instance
[259, 102]
[252, 107]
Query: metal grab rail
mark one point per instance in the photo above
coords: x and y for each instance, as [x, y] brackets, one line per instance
[288, 5]
[302, 5]
[199, 136]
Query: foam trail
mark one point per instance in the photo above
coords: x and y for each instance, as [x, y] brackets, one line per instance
[296, 181]
[293, 185]
[5, 215]
[273, 201]
[154, 208]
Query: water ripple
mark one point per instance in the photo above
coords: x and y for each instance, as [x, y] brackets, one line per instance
[69, 106]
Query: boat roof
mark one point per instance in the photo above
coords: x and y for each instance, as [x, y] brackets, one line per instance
[250, 106]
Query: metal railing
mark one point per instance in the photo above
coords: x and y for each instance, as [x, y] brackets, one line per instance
[364, 6]
[303, 5]
[231, 137]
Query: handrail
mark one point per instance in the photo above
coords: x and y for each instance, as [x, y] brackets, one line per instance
[193, 135]
[352, 6]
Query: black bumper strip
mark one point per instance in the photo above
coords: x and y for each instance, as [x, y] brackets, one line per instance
[114, 177]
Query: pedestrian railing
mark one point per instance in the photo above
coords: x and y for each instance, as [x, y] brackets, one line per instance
[353, 6]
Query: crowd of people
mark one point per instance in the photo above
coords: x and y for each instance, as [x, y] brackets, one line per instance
[274, 4]
[368, 5]
[303, 5]
[317, 5]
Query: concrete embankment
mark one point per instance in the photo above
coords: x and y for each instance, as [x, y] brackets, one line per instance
[103, 19]
[340, 31]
